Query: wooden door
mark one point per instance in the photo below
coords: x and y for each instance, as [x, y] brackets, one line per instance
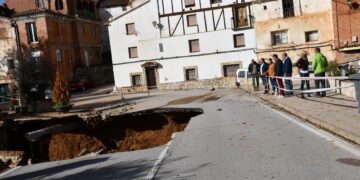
[151, 78]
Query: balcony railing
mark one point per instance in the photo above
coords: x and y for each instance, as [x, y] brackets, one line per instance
[289, 12]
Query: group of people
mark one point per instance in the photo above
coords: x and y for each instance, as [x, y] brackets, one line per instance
[272, 71]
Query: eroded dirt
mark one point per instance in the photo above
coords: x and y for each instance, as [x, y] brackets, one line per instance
[126, 133]
[201, 98]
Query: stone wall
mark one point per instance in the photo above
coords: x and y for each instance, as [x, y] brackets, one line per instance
[224, 82]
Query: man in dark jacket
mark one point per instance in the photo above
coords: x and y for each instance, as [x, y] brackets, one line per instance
[287, 70]
[253, 71]
[264, 67]
[279, 73]
[303, 65]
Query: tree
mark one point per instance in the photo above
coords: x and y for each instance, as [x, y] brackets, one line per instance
[61, 90]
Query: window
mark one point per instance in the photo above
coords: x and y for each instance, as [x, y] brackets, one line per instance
[215, 1]
[194, 46]
[239, 40]
[133, 52]
[56, 29]
[311, 36]
[279, 37]
[10, 64]
[241, 17]
[94, 31]
[83, 28]
[161, 47]
[288, 8]
[191, 20]
[136, 80]
[190, 74]
[130, 29]
[58, 55]
[230, 70]
[31, 32]
[189, 3]
[59, 5]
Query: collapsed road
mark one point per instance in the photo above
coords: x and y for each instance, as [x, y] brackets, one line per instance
[66, 138]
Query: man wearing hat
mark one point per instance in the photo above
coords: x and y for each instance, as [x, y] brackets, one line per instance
[303, 65]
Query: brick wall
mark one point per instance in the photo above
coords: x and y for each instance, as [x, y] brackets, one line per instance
[346, 25]
[21, 5]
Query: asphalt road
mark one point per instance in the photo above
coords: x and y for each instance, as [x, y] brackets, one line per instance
[236, 138]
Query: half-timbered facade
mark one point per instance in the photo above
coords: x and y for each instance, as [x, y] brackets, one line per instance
[157, 42]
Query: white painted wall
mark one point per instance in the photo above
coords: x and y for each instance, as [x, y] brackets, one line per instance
[216, 46]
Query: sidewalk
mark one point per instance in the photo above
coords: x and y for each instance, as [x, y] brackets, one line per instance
[335, 113]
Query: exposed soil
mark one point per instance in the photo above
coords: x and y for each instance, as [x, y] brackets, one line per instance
[3, 166]
[125, 133]
[202, 98]
[210, 98]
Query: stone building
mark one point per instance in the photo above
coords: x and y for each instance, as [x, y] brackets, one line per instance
[58, 31]
[292, 26]
[346, 15]
[7, 53]
[180, 44]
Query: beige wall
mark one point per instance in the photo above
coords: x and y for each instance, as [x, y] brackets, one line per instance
[310, 15]
[7, 48]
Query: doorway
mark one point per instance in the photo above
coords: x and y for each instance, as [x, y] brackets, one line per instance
[151, 78]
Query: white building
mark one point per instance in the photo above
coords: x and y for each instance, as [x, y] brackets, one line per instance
[156, 43]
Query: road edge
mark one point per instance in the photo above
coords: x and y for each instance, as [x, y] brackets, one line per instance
[316, 121]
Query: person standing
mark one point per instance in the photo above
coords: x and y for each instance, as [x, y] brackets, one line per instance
[264, 67]
[271, 74]
[253, 69]
[287, 70]
[279, 73]
[319, 65]
[303, 65]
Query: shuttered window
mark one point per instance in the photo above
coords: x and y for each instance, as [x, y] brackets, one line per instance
[241, 17]
[190, 74]
[239, 40]
[133, 52]
[189, 3]
[191, 20]
[130, 28]
[136, 80]
[31, 32]
[194, 46]
[230, 70]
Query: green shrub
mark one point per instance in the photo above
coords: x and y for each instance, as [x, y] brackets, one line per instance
[333, 69]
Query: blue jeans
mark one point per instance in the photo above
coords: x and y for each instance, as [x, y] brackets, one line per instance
[273, 84]
[320, 82]
[303, 82]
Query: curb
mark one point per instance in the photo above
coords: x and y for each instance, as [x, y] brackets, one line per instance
[316, 121]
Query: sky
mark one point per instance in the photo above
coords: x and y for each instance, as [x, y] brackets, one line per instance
[2, 1]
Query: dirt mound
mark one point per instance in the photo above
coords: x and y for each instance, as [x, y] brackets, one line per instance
[126, 133]
[68, 145]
